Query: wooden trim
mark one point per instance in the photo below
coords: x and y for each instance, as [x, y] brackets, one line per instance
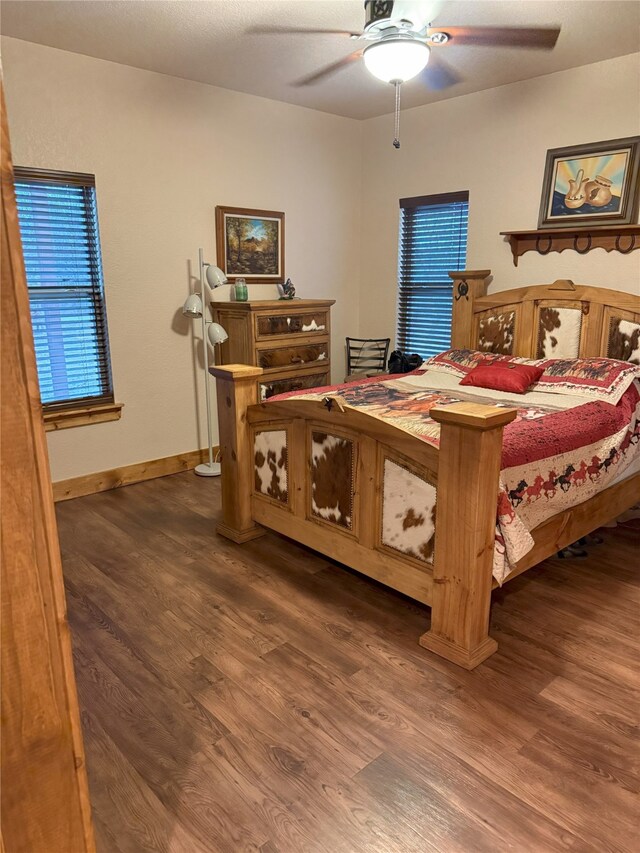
[474, 415]
[567, 229]
[293, 372]
[236, 391]
[81, 416]
[559, 291]
[321, 345]
[438, 198]
[267, 306]
[229, 372]
[355, 421]
[581, 239]
[393, 572]
[468, 474]
[102, 481]
[471, 302]
[468, 286]
[45, 797]
[53, 176]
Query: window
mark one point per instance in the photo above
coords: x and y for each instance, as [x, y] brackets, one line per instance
[433, 241]
[61, 245]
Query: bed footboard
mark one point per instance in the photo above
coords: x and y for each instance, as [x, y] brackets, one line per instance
[364, 492]
[236, 391]
[468, 473]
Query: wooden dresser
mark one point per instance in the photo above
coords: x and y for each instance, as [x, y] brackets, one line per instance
[290, 339]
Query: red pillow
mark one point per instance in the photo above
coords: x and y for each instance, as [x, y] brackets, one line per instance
[503, 376]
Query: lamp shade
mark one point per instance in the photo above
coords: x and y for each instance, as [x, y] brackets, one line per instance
[215, 276]
[192, 306]
[396, 59]
[216, 334]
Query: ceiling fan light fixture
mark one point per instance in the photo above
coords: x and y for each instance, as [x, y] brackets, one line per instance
[396, 59]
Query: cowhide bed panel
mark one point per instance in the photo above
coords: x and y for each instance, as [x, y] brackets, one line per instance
[496, 333]
[331, 478]
[624, 340]
[408, 504]
[560, 320]
[559, 330]
[331, 467]
[408, 512]
[270, 464]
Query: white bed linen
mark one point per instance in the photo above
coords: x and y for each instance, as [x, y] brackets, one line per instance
[439, 380]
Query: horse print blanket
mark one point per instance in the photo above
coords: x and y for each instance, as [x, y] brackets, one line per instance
[557, 453]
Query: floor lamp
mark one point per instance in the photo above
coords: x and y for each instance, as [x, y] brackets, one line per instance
[196, 306]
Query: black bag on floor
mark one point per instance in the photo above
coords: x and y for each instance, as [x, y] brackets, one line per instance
[401, 363]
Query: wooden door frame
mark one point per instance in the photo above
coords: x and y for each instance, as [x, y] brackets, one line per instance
[45, 796]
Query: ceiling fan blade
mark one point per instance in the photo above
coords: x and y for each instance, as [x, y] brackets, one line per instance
[329, 69]
[439, 75]
[286, 31]
[526, 37]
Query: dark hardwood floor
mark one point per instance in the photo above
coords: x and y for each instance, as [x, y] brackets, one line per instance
[261, 698]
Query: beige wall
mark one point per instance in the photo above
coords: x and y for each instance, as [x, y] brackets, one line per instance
[493, 143]
[165, 152]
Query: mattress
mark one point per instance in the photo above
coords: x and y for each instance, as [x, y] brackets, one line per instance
[559, 451]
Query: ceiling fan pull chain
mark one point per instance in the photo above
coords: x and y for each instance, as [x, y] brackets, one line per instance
[396, 140]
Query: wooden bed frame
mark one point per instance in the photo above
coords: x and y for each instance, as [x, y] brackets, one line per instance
[458, 584]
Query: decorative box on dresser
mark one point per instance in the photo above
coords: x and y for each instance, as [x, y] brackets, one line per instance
[289, 339]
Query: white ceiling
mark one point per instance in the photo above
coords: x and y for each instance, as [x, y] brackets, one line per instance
[208, 42]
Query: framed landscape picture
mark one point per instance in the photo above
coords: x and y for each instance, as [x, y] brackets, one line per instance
[250, 244]
[591, 185]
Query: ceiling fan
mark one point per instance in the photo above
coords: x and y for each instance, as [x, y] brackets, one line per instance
[401, 37]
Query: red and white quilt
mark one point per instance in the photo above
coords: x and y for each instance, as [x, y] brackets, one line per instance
[559, 451]
[559, 460]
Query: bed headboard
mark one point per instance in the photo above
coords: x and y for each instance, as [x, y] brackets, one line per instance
[559, 320]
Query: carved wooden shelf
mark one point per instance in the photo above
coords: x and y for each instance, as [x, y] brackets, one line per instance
[619, 238]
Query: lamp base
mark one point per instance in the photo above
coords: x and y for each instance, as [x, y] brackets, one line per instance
[207, 470]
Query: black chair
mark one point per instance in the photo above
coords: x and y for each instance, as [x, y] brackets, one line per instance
[366, 357]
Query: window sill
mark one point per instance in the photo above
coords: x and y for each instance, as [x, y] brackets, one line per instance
[81, 416]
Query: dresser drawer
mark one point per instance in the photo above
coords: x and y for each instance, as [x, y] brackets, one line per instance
[292, 323]
[271, 387]
[296, 355]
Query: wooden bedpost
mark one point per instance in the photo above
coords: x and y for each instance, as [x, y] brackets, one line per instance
[468, 474]
[236, 391]
[467, 286]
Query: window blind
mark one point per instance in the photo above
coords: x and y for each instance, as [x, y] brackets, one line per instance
[61, 246]
[433, 241]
